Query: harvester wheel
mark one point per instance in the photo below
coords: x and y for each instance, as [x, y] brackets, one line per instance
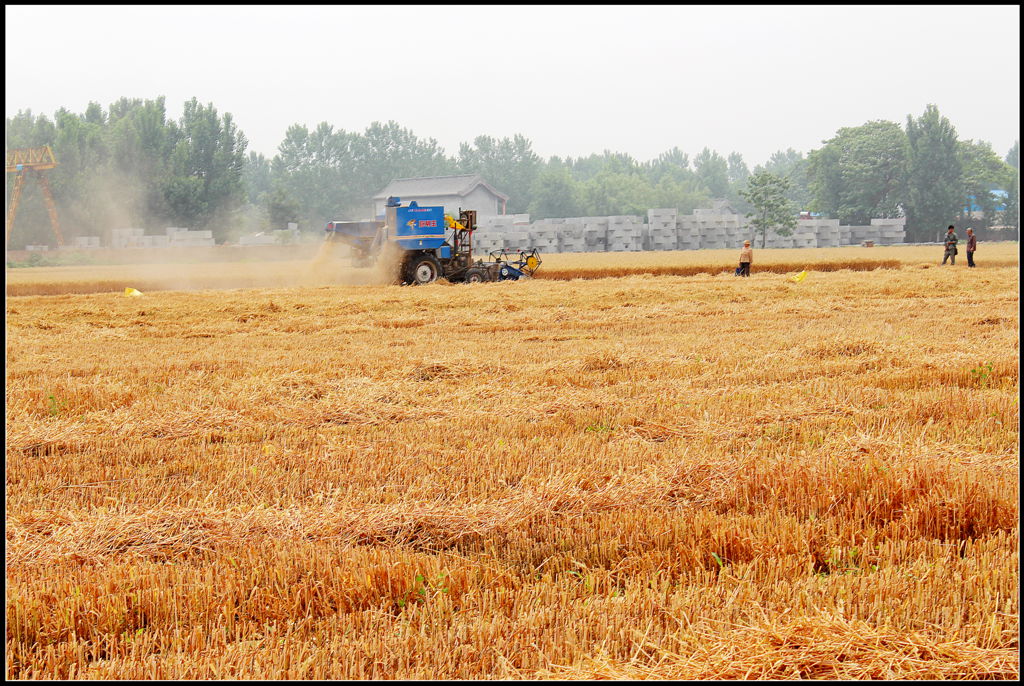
[422, 269]
[475, 275]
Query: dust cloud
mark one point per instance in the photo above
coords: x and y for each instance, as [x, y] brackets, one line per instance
[116, 202]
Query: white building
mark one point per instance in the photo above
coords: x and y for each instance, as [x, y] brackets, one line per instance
[466, 191]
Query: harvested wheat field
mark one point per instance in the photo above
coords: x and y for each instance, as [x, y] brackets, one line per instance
[669, 477]
[213, 274]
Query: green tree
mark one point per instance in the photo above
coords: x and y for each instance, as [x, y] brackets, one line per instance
[26, 130]
[509, 164]
[792, 166]
[282, 207]
[672, 164]
[616, 193]
[111, 167]
[333, 174]
[205, 186]
[388, 151]
[139, 142]
[129, 166]
[860, 173]
[738, 175]
[713, 172]
[766, 192]
[32, 224]
[89, 201]
[1011, 215]
[257, 178]
[738, 171]
[318, 171]
[555, 193]
[586, 168]
[94, 113]
[258, 182]
[616, 183]
[983, 172]
[1013, 155]
[934, 179]
[684, 196]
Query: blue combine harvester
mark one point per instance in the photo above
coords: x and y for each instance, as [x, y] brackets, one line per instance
[428, 244]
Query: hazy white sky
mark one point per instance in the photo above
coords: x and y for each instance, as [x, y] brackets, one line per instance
[573, 79]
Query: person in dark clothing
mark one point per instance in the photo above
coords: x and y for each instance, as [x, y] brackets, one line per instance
[951, 240]
[972, 245]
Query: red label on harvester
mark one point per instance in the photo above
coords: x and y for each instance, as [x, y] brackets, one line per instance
[428, 223]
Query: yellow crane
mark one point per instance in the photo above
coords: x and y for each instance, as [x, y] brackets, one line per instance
[36, 161]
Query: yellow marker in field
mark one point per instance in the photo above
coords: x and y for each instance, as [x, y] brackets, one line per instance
[799, 277]
[131, 293]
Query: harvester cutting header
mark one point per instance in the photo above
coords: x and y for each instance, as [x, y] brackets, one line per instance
[428, 244]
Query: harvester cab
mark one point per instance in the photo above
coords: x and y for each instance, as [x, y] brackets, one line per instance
[428, 245]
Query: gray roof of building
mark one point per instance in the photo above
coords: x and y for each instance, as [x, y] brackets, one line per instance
[461, 184]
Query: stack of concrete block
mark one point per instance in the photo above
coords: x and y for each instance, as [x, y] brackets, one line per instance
[86, 242]
[717, 227]
[890, 231]
[570, 236]
[486, 240]
[287, 236]
[859, 234]
[737, 228]
[826, 231]
[494, 224]
[126, 238]
[774, 240]
[734, 231]
[595, 233]
[624, 234]
[661, 229]
[157, 241]
[805, 235]
[544, 235]
[275, 237]
[500, 222]
[257, 239]
[713, 234]
[728, 234]
[688, 232]
[178, 237]
[515, 240]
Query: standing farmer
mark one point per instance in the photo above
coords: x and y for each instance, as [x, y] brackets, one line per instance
[950, 246]
[746, 257]
[972, 245]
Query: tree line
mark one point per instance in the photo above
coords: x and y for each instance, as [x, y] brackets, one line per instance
[132, 165]
[129, 165]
